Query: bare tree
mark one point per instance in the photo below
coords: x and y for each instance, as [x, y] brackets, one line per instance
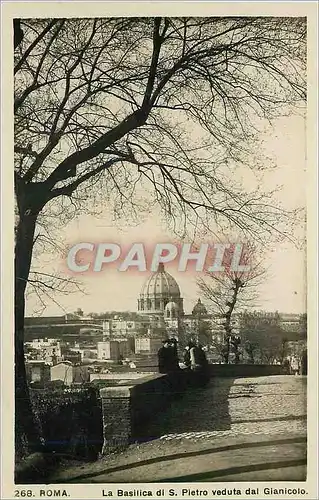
[229, 291]
[108, 107]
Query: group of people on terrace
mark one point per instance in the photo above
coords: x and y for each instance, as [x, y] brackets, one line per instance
[194, 360]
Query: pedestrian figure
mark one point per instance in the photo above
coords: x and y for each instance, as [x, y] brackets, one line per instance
[199, 365]
[225, 351]
[167, 358]
[286, 366]
[204, 365]
[187, 356]
[235, 342]
[175, 360]
[304, 363]
[295, 368]
[250, 351]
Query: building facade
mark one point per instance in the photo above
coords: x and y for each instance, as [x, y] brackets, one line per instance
[63, 371]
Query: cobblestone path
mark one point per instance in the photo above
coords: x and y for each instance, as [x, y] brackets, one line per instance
[244, 429]
[232, 407]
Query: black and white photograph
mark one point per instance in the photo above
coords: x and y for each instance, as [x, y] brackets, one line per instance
[162, 330]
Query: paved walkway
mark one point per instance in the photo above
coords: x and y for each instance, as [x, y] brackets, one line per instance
[246, 429]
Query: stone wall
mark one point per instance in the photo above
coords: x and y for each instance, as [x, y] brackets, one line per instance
[119, 376]
[116, 406]
[127, 407]
[242, 370]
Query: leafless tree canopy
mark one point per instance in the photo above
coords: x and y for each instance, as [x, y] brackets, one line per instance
[217, 287]
[115, 107]
[231, 291]
[168, 104]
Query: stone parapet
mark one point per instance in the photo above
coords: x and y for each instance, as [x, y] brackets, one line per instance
[126, 408]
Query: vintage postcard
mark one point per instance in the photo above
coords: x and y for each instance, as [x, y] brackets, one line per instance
[159, 250]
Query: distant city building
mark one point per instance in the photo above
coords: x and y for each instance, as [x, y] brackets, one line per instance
[126, 348]
[146, 345]
[48, 350]
[290, 322]
[88, 354]
[199, 309]
[121, 329]
[38, 371]
[62, 371]
[81, 374]
[108, 350]
[73, 356]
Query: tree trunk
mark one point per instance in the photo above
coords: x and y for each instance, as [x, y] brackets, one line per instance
[27, 437]
[227, 325]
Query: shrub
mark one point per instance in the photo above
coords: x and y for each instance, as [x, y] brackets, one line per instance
[70, 421]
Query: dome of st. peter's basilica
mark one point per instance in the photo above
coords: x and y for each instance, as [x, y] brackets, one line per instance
[158, 290]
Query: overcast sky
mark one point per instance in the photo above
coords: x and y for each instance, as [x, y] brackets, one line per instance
[283, 290]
